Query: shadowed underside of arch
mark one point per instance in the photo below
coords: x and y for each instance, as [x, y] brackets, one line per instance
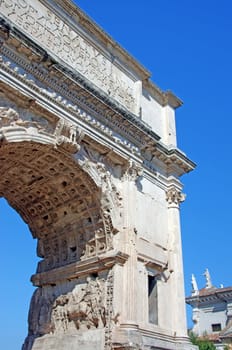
[57, 199]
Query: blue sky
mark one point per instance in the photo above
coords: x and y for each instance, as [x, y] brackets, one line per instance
[187, 47]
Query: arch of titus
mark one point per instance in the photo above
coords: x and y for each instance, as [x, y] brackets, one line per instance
[88, 158]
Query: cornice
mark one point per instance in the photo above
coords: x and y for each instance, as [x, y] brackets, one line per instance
[175, 161]
[163, 97]
[217, 296]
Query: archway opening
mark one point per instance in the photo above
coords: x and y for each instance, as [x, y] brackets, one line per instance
[18, 262]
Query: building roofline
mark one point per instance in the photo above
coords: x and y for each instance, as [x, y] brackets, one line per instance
[210, 294]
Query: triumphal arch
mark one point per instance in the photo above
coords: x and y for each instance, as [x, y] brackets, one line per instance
[88, 158]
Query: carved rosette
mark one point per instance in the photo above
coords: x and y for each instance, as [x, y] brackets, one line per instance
[174, 197]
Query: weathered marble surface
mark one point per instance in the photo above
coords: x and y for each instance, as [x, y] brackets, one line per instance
[90, 163]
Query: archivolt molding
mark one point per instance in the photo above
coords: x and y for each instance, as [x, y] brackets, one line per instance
[24, 126]
[21, 124]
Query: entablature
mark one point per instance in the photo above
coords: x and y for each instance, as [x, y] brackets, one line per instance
[58, 89]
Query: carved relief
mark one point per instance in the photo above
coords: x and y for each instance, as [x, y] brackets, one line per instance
[101, 169]
[83, 308]
[12, 116]
[8, 116]
[68, 135]
[110, 320]
[89, 305]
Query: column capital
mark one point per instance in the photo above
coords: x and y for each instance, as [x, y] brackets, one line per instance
[174, 196]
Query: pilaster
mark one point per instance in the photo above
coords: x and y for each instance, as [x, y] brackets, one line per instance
[176, 283]
[129, 312]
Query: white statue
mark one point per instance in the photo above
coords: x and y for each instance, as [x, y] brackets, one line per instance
[195, 290]
[208, 279]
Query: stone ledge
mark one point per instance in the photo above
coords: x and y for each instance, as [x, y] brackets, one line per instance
[81, 268]
[134, 339]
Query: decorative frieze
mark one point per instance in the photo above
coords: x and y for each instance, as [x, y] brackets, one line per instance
[69, 96]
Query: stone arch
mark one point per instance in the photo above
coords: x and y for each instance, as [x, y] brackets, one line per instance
[57, 199]
[62, 187]
[65, 211]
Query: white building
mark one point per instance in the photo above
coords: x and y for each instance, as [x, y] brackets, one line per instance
[212, 312]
